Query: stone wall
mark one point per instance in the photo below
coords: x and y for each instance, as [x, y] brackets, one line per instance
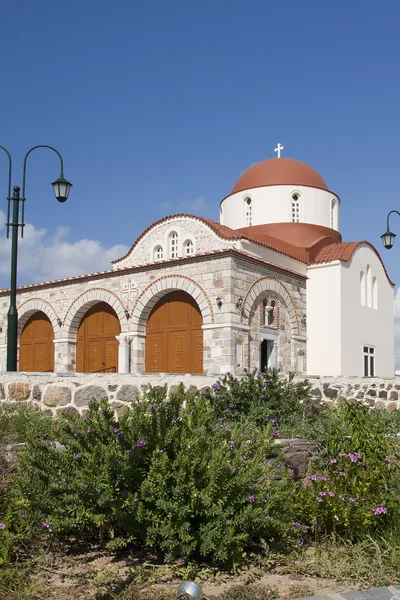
[52, 392]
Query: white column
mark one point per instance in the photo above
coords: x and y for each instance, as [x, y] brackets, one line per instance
[123, 353]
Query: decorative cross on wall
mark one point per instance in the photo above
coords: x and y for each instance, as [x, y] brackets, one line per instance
[278, 149]
[129, 291]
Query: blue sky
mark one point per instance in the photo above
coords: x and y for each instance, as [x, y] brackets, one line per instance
[158, 107]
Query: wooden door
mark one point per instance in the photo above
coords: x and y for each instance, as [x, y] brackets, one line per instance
[97, 348]
[36, 347]
[174, 338]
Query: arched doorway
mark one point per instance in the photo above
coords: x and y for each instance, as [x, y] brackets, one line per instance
[36, 347]
[174, 338]
[97, 348]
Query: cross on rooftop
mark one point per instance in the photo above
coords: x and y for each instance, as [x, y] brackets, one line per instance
[278, 149]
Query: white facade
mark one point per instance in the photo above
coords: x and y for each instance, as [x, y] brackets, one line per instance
[274, 204]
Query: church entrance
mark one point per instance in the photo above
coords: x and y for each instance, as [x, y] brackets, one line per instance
[268, 355]
[36, 347]
[174, 338]
[97, 348]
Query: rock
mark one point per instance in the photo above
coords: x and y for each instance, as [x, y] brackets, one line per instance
[393, 395]
[383, 394]
[316, 393]
[127, 393]
[372, 393]
[86, 394]
[2, 395]
[68, 409]
[19, 391]
[330, 392]
[119, 407]
[391, 406]
[56, 395]
[360, 395]
[36, 393]
[192, 389]
[173, 389]
[112, 388]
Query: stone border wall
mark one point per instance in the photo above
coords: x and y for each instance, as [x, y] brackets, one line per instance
[54, 392]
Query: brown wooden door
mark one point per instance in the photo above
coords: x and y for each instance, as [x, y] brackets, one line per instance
[174, 338]
[36, 347]
[97, 348]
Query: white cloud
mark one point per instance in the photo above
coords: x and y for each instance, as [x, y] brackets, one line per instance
[198, 205]
[42, 257]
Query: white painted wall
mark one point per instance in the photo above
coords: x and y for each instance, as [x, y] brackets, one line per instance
[273, 204]
[365, 325]
[324, 313]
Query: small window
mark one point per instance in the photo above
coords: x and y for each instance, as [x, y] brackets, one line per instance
[362, 288]
[248, 216]
[333, 203]
[369, 361]
[270, 313]
[300, 361]
[173, 245]
[158, 253]
[295, 208]
[369, 286]
[374, 293]
[188, 248]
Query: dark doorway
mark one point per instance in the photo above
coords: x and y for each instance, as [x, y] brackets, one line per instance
[266, 353]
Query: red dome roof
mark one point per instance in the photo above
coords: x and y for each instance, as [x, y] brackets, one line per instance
[279, 171]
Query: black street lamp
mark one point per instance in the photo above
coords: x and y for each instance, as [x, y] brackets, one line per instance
[389, 237]
[61, 190]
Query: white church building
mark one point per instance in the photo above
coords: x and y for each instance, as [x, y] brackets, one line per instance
[271, 284]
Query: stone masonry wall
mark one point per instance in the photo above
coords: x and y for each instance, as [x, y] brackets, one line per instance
[52, 393]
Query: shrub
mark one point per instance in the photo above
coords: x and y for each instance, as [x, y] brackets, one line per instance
[265, 398]
[354, 489]
[168, 475]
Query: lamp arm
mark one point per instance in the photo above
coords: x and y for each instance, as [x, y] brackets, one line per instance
[392, 211]
[9, 170]
[26, 156]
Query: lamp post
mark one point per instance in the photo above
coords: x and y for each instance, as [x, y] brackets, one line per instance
[61, 189]
[389, 237]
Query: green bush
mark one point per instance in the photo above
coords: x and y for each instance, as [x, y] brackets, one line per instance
[264, 398]
[168, 475]
[355, 487]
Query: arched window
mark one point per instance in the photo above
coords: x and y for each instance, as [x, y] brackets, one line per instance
[158, 253]
[333, 204]
[374, 293]
[270, 312]
[188, 248]
[362, 288]
[173, 245]
[369, 286]
[248, 216]
[295, 208]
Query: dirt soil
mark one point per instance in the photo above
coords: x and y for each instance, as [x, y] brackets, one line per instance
[102, 575]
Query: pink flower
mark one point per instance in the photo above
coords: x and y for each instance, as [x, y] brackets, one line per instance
[333, 461]
[387, 458]
[319, 499]
[299, 543]
[2, 526]
[266, 517]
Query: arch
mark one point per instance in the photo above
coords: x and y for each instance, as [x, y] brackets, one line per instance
[97, 343]
[295, 207]
[269, 284]
[362, 288]
[162, 286]
[36, 344]
[158, 252]
[29, 307]
[188, 247]
[174, 335]
[88, 299]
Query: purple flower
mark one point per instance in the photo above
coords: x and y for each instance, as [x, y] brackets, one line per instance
[55, 430]
[141, 443]
[268, 496]
[78, 455]
[387, 458]
[88, 430]
[352, 499]
[277, 433]
[292, 473]
[2, 526]
[120, 434]
[232, 444]
[135, 499]
[35, 471]
[379, 510]
[299, 543]
[333, 461]
[266, 517]
[45, 525]
[319, 499]
[129, 452]
[251, 499]
[84, 418]
[322, 493]
[342, 473]
[331, 494]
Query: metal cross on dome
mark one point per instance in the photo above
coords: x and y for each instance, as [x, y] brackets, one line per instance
[278, 149]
